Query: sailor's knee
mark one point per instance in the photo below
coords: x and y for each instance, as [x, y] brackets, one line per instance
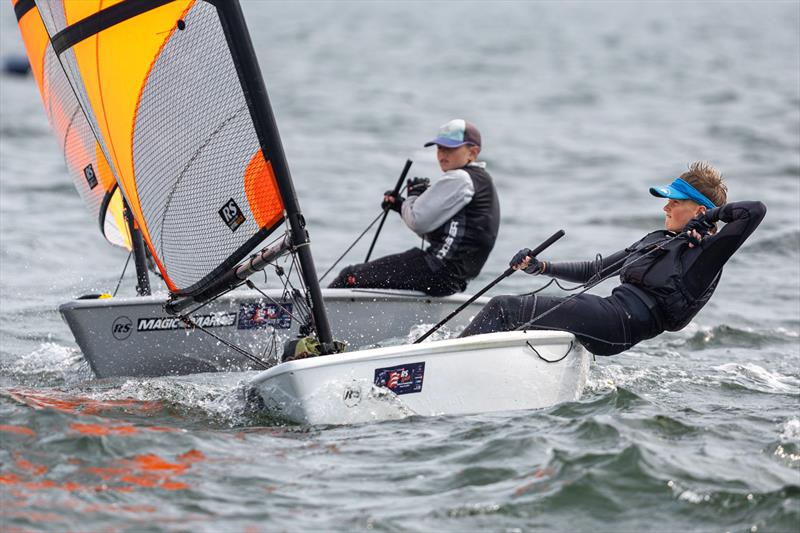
[500, 302]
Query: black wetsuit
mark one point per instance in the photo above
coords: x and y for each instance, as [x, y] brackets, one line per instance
[664, 285]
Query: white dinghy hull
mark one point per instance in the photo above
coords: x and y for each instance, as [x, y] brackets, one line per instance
[484, 373]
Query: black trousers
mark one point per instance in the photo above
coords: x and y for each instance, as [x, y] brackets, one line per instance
[408, 270]
[605, 326]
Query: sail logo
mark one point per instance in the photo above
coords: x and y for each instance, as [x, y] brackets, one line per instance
[231, 215]
[166, 323]
[91, 177]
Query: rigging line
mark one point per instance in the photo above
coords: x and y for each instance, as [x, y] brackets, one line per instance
[257, 360]
[128, 260]
[253, 286]
[351, 246]
[569, 349]
[202, 305]
[589, 285]
[383, 212]
[302, 304]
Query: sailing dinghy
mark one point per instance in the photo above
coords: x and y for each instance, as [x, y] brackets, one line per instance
[135, 336]
[174, 97]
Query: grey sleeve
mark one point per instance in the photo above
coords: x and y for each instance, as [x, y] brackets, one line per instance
[449, 195]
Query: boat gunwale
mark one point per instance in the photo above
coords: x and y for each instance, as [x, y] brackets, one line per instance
[500, 339]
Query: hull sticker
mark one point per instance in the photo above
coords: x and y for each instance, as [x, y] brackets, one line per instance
[402, 379]
[121, 328]
[166, 323]
[262, 315]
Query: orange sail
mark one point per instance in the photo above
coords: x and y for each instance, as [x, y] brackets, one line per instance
[85, 161]
[160, 89]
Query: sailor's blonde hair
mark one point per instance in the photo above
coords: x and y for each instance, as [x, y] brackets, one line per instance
[704, 177]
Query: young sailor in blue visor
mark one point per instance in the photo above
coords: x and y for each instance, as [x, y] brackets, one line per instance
[666, 277]
[458, 215]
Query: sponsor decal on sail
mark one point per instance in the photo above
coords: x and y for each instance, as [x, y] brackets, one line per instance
[165, 323]
[402, 379]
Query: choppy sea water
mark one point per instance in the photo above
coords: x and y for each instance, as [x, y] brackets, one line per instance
[582, 106]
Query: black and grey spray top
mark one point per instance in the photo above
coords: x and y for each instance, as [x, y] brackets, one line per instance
[662, 268]
[459, 215]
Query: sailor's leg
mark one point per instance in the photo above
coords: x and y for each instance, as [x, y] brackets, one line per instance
[406, 270]
[502, 313]
[600, 324]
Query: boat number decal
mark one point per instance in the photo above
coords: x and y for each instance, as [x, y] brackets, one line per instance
[352, 395]
[403, 379]
[122, 327]
[166, 323]
[91, 177]
[231, 214]
[260, 315]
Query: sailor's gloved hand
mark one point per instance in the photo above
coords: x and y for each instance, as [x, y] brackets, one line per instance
[701, 224]
[417, 186]
[697, 228]
[392, 201]
[523, 261]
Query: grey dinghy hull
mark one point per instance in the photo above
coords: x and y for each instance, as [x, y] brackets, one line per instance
[135, 337]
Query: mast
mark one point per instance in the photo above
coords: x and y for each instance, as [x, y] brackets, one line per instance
[255, 93]
[139, 252]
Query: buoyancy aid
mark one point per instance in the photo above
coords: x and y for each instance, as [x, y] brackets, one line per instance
[656, 265]
[463, 242]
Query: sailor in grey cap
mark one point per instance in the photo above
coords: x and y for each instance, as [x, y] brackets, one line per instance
[458, 215]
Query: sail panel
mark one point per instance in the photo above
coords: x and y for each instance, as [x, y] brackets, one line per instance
[161, 92]
[185, 169]
[85, 162]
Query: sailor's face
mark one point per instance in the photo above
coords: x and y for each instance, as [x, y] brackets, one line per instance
[453, 158]
[679, 212]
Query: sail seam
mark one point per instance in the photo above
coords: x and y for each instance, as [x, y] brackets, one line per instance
[67, 130]
[183, 173]
[102, 20]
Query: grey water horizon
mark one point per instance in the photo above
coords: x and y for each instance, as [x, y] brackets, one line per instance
[582, 106]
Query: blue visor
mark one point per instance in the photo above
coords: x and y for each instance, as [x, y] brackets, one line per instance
[681, 190]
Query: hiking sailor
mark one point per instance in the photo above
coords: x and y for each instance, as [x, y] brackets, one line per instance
[459, 216]
[667, 276]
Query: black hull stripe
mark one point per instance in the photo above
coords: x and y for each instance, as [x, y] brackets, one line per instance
[22, 7]
[102, 20]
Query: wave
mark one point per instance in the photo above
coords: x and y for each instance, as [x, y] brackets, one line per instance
[783, 244]
[725, 336]
[751, 377]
